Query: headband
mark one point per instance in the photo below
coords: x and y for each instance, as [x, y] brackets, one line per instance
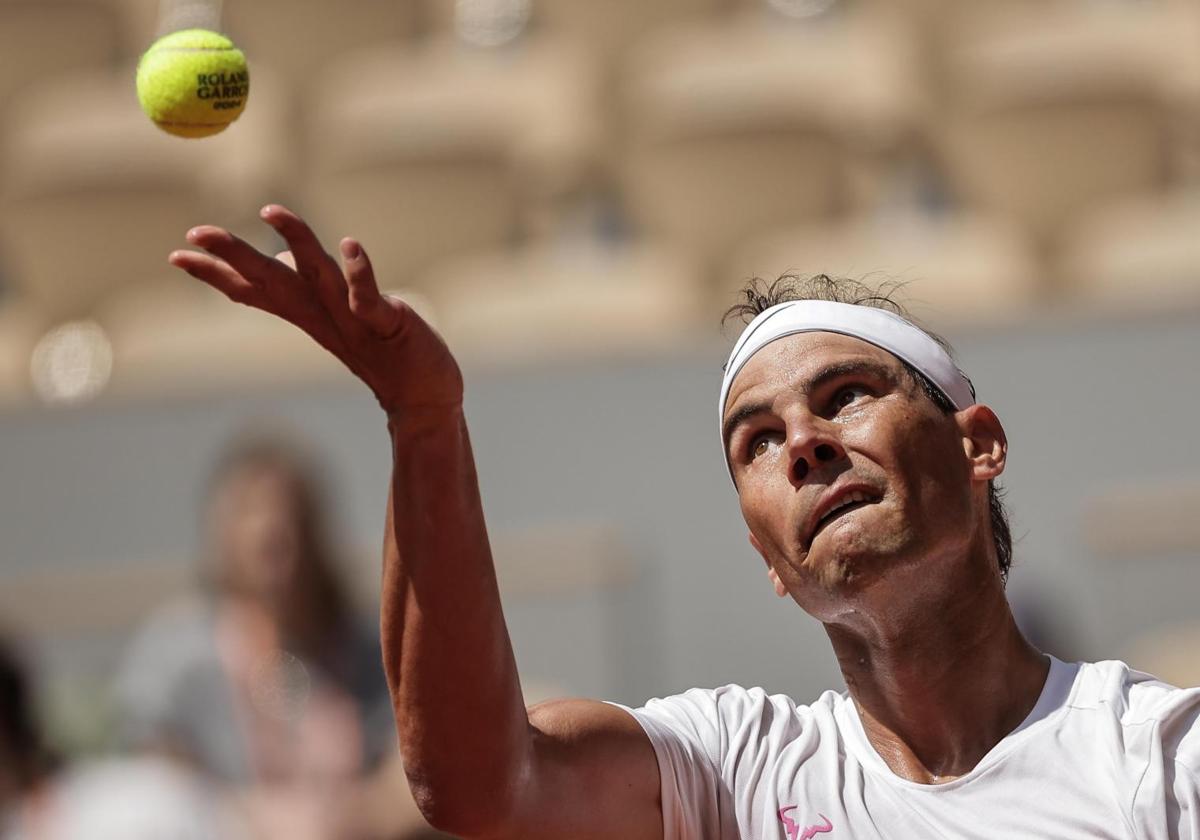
[884, 329]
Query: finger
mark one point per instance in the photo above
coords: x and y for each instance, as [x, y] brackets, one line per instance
[247, 260]
[310, 258]
[287, 259]
[306, 249]
[216, 273]
[224, 278]
[382, 315]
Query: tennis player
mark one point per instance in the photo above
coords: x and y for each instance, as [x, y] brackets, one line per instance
[863, 465]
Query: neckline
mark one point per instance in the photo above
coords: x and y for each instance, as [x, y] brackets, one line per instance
[1054, 697]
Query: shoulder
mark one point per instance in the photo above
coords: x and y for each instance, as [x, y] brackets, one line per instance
[732, 703]
[180, 630]
[1142, 701]
[187, 618]
[731, 717]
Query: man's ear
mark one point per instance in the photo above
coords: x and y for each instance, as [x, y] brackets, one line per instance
[984, 442]
[780, 589]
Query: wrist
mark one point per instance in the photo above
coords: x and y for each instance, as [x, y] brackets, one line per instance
[405, 421]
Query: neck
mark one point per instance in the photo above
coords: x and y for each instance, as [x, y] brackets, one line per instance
[937, 688]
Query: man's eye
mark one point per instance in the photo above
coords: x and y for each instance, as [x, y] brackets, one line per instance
[846, 396]
[759, 448]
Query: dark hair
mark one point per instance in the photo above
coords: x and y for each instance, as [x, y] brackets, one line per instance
[21, 745]
[318, 608]
[759, 295]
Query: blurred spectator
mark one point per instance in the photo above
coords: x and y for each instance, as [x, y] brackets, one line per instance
[24, 762]
[268, 682]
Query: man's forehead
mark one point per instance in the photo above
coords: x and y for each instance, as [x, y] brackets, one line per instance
[794, 359]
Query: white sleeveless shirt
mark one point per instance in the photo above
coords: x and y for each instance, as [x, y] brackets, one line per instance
[1106, 752]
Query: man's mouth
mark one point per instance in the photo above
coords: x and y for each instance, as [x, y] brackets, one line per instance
[853, 501]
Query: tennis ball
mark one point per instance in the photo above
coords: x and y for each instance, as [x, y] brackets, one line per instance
[193, 83]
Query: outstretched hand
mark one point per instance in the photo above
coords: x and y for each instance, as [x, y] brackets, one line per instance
[380, 338]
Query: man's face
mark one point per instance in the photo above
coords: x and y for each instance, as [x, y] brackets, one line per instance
[818, 421]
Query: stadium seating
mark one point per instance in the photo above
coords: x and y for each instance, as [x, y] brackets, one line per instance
[40, 39]
[562, 301]
[20, 325]
[742, 126]
[297, 38]
[1136, 256]
[79, 155]
[185, 338]
[444, 150]
[1051, 111]
[607, 28]
[960, 269]
[748, 137]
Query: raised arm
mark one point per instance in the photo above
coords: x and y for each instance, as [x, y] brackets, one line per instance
[480, 765]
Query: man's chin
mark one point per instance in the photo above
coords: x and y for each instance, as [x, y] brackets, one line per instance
[846, 569]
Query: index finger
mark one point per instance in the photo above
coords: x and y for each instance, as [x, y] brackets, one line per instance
[251, 263]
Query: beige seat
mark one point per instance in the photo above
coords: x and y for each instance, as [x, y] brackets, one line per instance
[608, 28]
[93, 197]
[555, 302]
[41, 39]
[297, 38]
[20, 326]
[740, 127]
[444, 150]
[1136, 256]
[1056, 109]
[184, 339]
[963, 269]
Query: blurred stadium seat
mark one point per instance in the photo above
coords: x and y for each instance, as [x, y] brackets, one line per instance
[1137, 256]
[743, 126]
[607, 28]
[563, 301]
[78, 155]
[141, 22]
[445, 149]
[185, 339]
[20, 326]
[40, 39]
[297, 38]
[1056, 107]
[957, 268]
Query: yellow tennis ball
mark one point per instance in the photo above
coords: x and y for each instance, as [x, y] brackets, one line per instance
[193, 83]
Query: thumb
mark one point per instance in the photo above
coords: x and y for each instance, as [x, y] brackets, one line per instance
[382, 315]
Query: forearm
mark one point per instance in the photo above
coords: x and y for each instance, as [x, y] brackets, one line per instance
[462, 722]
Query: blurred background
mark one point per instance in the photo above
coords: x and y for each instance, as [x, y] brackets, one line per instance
[572, 191]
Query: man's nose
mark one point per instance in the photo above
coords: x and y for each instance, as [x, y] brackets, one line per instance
[811, 442]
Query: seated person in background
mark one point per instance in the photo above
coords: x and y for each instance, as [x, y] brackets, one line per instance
[268, 682]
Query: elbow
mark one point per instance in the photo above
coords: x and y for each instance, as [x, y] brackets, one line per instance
[470, 815]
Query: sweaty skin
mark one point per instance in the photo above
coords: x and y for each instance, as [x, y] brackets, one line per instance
[907, 584]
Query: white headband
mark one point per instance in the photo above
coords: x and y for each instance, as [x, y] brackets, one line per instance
[874, 326]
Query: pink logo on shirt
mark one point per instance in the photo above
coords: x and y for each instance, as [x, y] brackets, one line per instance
[794, 832]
